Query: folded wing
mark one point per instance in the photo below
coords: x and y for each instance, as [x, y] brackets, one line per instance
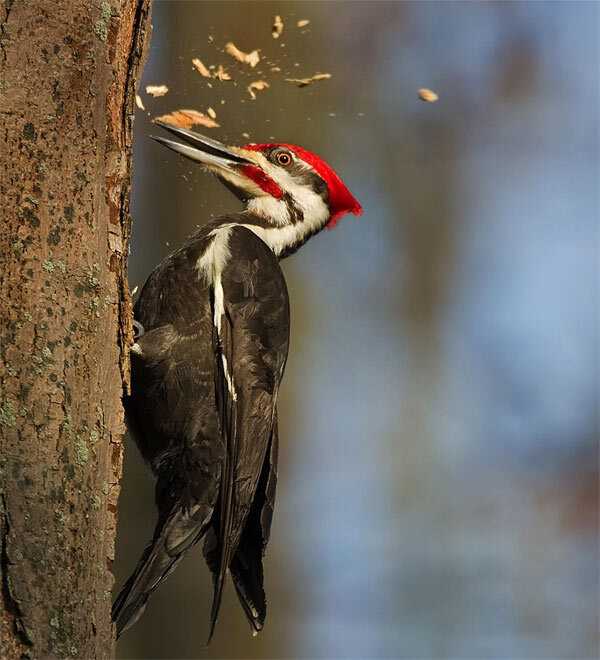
[251, 336]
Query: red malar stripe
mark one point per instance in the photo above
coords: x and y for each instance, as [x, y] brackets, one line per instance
[341, 200]
[262, 180]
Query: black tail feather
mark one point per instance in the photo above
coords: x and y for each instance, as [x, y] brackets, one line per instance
[178, 533]
[219, 550]
[247, 574]
[213, 554]
[247, 565]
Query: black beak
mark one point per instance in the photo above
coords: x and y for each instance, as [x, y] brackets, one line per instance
[200, 148]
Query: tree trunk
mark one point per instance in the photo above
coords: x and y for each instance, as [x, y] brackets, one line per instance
[67, 87]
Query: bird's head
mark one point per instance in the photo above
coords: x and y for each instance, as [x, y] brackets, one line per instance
[285, 185]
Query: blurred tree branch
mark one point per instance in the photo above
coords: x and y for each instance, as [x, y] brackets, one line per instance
[67, 88]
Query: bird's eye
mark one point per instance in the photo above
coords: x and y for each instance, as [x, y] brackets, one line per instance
[283, 158]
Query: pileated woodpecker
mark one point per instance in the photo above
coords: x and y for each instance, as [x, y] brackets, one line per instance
[207, 365]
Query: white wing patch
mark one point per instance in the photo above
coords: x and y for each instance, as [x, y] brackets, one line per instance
[210, 267]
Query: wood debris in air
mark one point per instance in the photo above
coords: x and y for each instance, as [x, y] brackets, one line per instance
[187, 119]
[304, 82]
[277, 28]
[252, 58]
[428, 95]
[221, 73]
[156, 90]
[200, 68]
[257, 85]
[139, 102]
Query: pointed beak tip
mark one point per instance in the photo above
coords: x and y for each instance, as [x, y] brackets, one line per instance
[200, 149]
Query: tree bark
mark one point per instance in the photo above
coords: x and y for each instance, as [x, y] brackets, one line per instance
[67, 88]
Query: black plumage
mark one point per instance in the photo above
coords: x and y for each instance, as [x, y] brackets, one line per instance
[211, 444]
[207, 368]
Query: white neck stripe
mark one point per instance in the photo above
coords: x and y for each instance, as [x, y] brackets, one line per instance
[210, 266]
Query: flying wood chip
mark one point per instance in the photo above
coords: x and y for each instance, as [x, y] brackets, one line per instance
[252, 58]
[156, 90]
[187, 119]
[139, 102]
[277, 27]
[302, 23]
[221, 74]
[428, 95]
[303, 82]
[257, 85]
[200, 68]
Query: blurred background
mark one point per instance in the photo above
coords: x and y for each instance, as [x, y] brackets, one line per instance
[438, 479]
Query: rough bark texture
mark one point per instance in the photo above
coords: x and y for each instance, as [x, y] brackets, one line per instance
[67, 75]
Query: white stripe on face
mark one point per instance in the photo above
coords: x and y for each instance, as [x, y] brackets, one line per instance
[283, 233]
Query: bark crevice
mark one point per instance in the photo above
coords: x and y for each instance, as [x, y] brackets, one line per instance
[7, 8]
[137, 51]
[12, 606]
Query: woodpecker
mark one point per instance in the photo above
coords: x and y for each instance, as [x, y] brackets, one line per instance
[213, 332]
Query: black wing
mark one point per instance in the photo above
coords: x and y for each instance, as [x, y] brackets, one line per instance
[246, 566]
[250, 352]
[172, 415]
